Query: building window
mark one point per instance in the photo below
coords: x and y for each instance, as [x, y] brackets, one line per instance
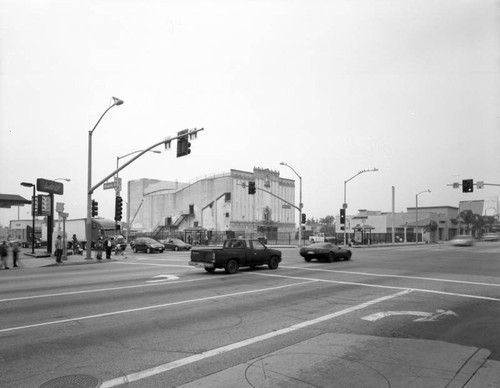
[196, 224]
[191, 209]
[227, 215]
[169, 221]
[228, 197]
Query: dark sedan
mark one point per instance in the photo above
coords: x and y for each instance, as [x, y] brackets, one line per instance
[325, 251]
[146, 244]
[175, 244]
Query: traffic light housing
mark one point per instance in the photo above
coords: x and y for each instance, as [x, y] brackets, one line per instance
[118, 208]
[342, 216]
[95, 208]
[303, 218]
[467, 185]
[251, 188]
[183, 144]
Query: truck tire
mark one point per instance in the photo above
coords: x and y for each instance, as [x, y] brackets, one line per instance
[273, 262]
[231, 267]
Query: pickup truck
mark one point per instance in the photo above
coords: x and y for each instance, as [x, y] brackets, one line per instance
[233, 254]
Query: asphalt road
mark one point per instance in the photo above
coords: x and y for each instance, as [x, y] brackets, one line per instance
[155, 319]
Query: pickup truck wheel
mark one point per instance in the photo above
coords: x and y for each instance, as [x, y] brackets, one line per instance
[211, 270]
[273, 262]
[231, 267]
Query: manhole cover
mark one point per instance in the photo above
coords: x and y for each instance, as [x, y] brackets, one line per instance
[72, 381]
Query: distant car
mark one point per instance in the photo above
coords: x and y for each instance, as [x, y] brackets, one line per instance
[491, 237]
[325, 251]
[175, 244]
[120, 240]
[146, 244]
[463, 240]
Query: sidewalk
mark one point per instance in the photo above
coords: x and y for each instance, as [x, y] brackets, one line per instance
[42, 259]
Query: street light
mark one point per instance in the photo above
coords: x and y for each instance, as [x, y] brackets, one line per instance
[344, 205]
[88, 229]
[27, 184]
[416, 213]
[300, 201]
[117, 187]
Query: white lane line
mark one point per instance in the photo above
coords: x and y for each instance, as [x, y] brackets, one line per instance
[386, 287]
[153, 307]
[224, 349]
[396, 276]
[96, 290]
[155, 264]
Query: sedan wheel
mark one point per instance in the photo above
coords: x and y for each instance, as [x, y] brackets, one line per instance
[148, 250]
[308, 259]
[331, 257]
[176, 248]
[348, 256]
[134, 249]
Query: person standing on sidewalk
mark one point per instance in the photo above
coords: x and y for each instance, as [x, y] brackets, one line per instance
[3, 254]
[59, 249]
[15, 253]
[109, 247]
[99, 247]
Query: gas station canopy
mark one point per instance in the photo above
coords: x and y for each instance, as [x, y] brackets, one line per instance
[9, 200]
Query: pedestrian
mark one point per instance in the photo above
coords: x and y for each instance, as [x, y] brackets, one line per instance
[3, 254]
[15, 253]
[75, 245]
[109, 247]
[59, 249]
[99, 247]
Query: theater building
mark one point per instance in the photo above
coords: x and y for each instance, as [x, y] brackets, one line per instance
[215, 203]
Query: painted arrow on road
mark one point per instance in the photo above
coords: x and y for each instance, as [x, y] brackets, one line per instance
[425, 317]
[162, 278]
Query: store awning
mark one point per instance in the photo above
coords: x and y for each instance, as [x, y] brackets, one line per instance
[9, 200]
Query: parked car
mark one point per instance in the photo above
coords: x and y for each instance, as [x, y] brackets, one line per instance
[491, 237]
[146, 244]
[463, 240]
[325, 251]
[175, 244]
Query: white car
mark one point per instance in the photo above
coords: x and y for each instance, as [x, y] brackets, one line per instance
[463, 240]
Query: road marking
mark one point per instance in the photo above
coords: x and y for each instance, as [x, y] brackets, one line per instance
[395, 276]
[224, 349]
[162, 278]
[386, 287]
[91, 291]
[426, 317]
[153, 264]
[154, 307]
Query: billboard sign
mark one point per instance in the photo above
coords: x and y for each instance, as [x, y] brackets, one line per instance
[51, 187]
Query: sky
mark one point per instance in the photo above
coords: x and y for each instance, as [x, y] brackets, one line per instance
[330, 87]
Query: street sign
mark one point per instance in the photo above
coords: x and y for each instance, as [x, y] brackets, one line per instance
[109, 185]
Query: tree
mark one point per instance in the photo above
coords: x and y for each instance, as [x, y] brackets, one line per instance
[471, 220]
[328, 220]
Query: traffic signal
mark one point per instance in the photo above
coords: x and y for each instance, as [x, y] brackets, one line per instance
[303, 218]
[118, 208]
[467, 186]
[183, 144]
[95, 209]
[342, 216]
[251, 188]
